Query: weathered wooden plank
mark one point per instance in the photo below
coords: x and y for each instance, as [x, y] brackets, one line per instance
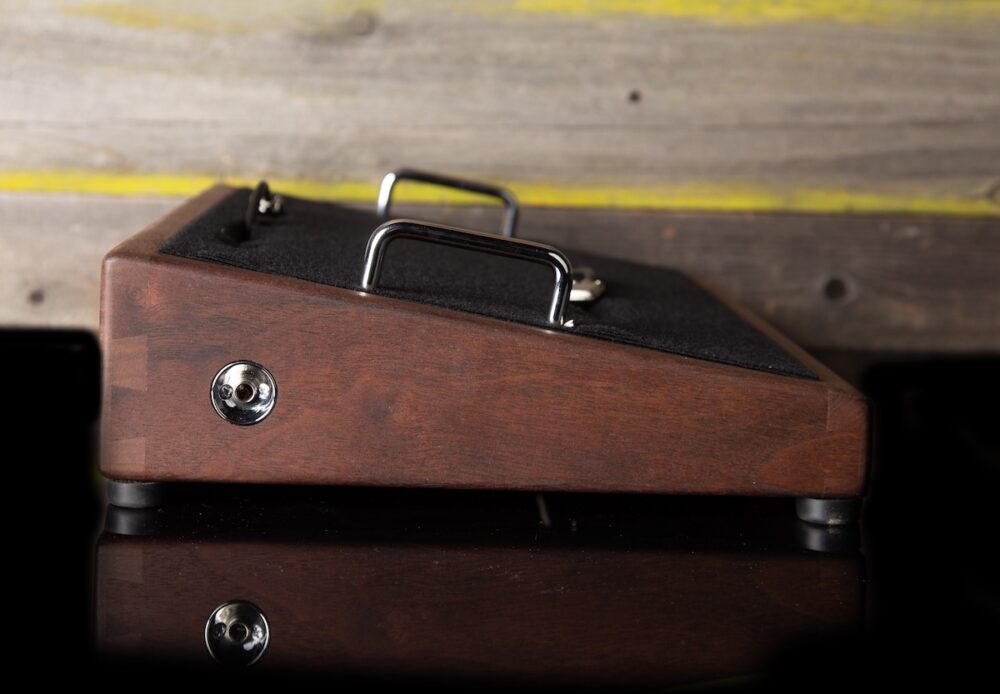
[916, 283]
[51, 249]
[887, 102]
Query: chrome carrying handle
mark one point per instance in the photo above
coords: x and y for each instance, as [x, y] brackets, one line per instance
[475, 241]
[390, 180]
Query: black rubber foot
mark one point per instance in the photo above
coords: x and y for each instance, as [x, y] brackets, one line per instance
[828, 511]
[135, 494]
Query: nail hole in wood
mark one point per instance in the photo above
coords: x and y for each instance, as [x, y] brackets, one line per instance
[37, 296]
[634, 96]
[362, 23]
[835, 289]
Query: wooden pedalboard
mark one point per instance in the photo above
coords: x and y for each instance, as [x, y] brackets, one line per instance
[380, 391]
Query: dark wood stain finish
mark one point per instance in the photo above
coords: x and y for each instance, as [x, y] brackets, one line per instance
[377, 391]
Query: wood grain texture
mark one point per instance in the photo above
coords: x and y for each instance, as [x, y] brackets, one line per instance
[51, 250]
[499, 614]
[898, 100]
[377, 391]
[907, 283]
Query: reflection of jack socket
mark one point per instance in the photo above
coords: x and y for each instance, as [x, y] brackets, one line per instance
[243, 392]
[237, 633]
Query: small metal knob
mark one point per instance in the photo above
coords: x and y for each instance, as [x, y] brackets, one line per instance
[236, 633]
[244, 392]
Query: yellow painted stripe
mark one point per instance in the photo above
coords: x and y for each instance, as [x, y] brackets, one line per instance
[223, 16]
[679, 197]
[238, 16]
[776, 11]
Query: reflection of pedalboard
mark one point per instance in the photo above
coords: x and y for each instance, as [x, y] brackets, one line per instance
[351, 583]
[351, 349]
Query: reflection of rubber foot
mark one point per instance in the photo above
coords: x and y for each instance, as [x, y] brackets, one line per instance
[135, 494]
[136, 522]
[828, 511]
[832, 539]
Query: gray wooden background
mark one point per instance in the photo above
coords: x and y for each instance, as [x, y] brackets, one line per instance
[837, 170]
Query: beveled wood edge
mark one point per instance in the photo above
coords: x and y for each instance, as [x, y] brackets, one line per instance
[145, 243]
[847, 408]
[142, 246]
[823, 373]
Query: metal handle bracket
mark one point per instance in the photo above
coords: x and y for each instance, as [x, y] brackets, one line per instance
[390, 180]
[472, 240]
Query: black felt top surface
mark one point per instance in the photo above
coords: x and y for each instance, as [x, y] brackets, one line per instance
[644, 306]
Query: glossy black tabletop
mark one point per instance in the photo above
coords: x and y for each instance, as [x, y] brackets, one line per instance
[475, 589]
[478, 587]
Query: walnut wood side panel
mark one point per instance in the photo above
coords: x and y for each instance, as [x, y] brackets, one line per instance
[376, 391]
[495, 613]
